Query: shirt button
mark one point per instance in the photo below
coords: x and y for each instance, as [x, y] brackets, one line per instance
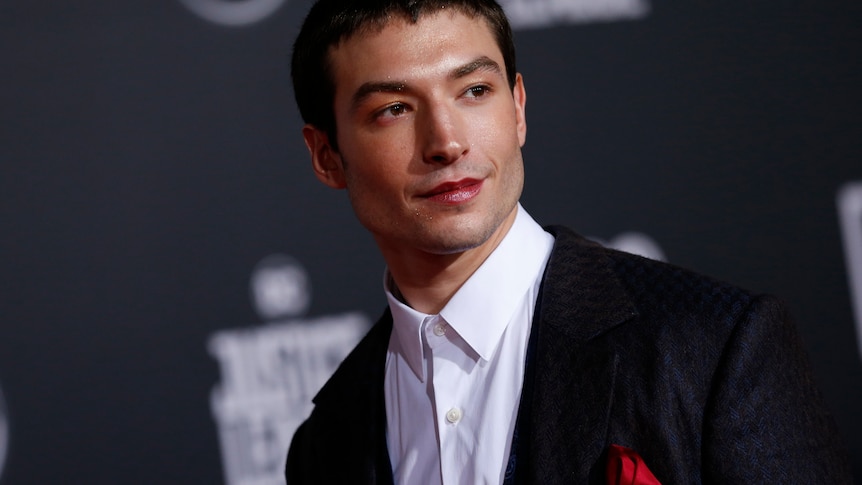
[440, 329]
[453, 415]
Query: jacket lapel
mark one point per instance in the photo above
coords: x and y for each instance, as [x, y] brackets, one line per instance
[574, 372]
[358, 427]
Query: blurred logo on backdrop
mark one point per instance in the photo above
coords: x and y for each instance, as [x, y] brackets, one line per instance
[4, 433]
[531, 14]
[233, 13]
[634, 243]
[271, 372]
[522, 13]
[850, 215]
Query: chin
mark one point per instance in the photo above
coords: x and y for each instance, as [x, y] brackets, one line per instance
[455, 241]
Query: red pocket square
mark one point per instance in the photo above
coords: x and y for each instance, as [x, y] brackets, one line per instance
[626, 467]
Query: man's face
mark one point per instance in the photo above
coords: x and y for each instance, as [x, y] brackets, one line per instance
[429, 133]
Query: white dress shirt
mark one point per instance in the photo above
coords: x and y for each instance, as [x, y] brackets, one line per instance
[453, 380]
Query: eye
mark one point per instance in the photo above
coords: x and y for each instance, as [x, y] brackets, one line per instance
[394, 110]
[477, 91]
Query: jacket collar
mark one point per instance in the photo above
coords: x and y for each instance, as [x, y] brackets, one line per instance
[581, 295]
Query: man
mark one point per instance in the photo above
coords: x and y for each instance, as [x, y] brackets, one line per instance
[509, 354]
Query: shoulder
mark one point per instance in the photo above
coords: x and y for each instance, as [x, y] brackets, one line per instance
[656, 289]
[679, 317]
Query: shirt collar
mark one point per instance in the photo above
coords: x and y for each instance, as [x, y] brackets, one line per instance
[406, 328]
[481, 309]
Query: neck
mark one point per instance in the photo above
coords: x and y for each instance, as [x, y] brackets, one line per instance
[426, 281]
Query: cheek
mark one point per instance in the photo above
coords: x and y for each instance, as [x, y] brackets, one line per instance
[375, 161]
[372, 178]
[497, 126]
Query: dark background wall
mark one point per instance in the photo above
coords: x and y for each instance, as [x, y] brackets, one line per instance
[150, 159]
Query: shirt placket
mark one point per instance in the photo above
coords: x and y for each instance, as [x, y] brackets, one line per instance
[451, 389]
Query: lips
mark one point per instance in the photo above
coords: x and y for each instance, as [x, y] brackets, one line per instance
[455, 192]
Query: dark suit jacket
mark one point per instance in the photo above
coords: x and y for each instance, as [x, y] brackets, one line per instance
[708, 383]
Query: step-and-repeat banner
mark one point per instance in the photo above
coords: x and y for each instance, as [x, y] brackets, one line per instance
[176, 285]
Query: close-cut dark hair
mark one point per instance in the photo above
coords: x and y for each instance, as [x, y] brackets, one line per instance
[330, 22]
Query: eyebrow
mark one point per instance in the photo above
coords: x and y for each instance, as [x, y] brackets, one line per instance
[370, 88]
[483, 63]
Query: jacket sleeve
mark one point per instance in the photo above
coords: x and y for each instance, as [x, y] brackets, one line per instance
[765, 421]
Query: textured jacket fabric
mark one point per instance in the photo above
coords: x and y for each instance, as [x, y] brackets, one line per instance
[707, 382]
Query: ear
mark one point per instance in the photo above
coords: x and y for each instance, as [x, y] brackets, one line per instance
[325, 160]
[520, 96]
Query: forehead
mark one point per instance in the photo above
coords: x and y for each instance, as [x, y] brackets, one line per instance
[400, 49]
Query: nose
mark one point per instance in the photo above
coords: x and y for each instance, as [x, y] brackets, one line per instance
[445, 139]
